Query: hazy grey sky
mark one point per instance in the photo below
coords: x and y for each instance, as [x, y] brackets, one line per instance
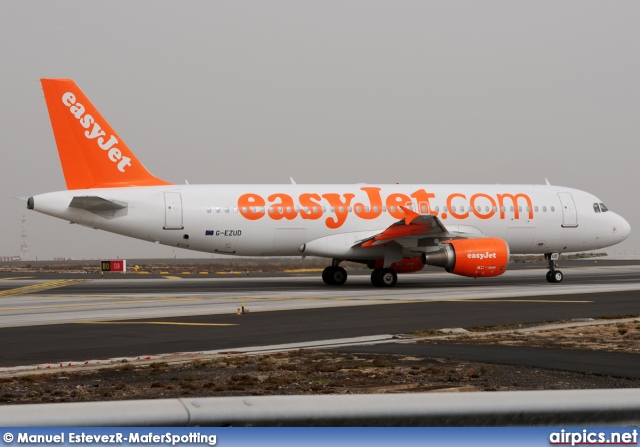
[325, 92]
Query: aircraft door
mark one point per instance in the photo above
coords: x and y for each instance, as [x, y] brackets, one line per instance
[569, 213]
[172, 211]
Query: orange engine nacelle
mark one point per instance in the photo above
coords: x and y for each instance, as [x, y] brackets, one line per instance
[487, 256]
[407, 265]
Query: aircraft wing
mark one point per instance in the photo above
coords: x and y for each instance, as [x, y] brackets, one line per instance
[414, 225]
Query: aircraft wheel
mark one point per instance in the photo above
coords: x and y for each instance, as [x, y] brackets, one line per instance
[388, 278]
[384, 278]
[557, 276]
[326, 276]
[374, 277]
[334, 276]
[338, 276]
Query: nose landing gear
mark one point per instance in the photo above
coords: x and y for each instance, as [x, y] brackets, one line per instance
[553, 275]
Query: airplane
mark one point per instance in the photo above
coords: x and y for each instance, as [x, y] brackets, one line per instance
[469, 230]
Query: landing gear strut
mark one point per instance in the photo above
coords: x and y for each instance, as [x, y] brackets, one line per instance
[384, 277]
[553, 275]
[334, 275]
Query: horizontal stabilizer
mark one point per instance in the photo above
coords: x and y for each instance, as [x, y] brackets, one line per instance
[108, 209]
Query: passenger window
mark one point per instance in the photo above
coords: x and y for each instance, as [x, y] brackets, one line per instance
[495, 209]
[511, 208]
[253, 209]
[596, 207]
[366, 208]
[324, 209]
[297, 208]
[392, 209]
[208, 209]
[503, 209]
[288, 210]
[271, 209]
[358, 209]
[306, 209]
[520, 209]
[226, 209]
[217, 209]
[535, 208]
[280, 210]
[462, 209]
[375, 209]
[384, 209]
[244, 209]
[553, 209]
[603, 208]
[315, 209]
[424, 209]
[437, 209]
[528, 209]
[444, 209]
[544, 208]
[235, 210]
[341, 209]
[350, 209]
[486, 209]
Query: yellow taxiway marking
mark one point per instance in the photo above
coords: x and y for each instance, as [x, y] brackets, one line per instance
[16, 277]
[169, 323]
[85, 305]
[519, 301]
[173, 277]
[43, 286]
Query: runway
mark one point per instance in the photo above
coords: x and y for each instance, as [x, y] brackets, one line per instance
[83, 319]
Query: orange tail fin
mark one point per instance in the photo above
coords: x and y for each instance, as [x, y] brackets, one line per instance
[91, 153]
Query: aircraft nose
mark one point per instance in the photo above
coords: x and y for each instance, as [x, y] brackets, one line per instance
[623, 228]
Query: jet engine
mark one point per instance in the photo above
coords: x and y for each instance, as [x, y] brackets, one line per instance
[471, 257]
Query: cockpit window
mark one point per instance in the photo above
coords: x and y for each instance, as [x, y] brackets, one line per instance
[603, 208]
[596, 207]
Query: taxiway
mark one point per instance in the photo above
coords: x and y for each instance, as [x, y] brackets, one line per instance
[77, 319]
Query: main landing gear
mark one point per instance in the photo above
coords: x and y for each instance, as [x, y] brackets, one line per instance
[553, 275]
[334, 275]
[384, 277]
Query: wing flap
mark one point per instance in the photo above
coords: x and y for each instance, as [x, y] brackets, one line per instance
[413, 224]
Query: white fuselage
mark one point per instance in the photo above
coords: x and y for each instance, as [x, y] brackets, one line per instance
[327, 220]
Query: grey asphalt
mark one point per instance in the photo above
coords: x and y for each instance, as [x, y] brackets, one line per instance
[614, 364]
[28, 345]
[81, 342]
